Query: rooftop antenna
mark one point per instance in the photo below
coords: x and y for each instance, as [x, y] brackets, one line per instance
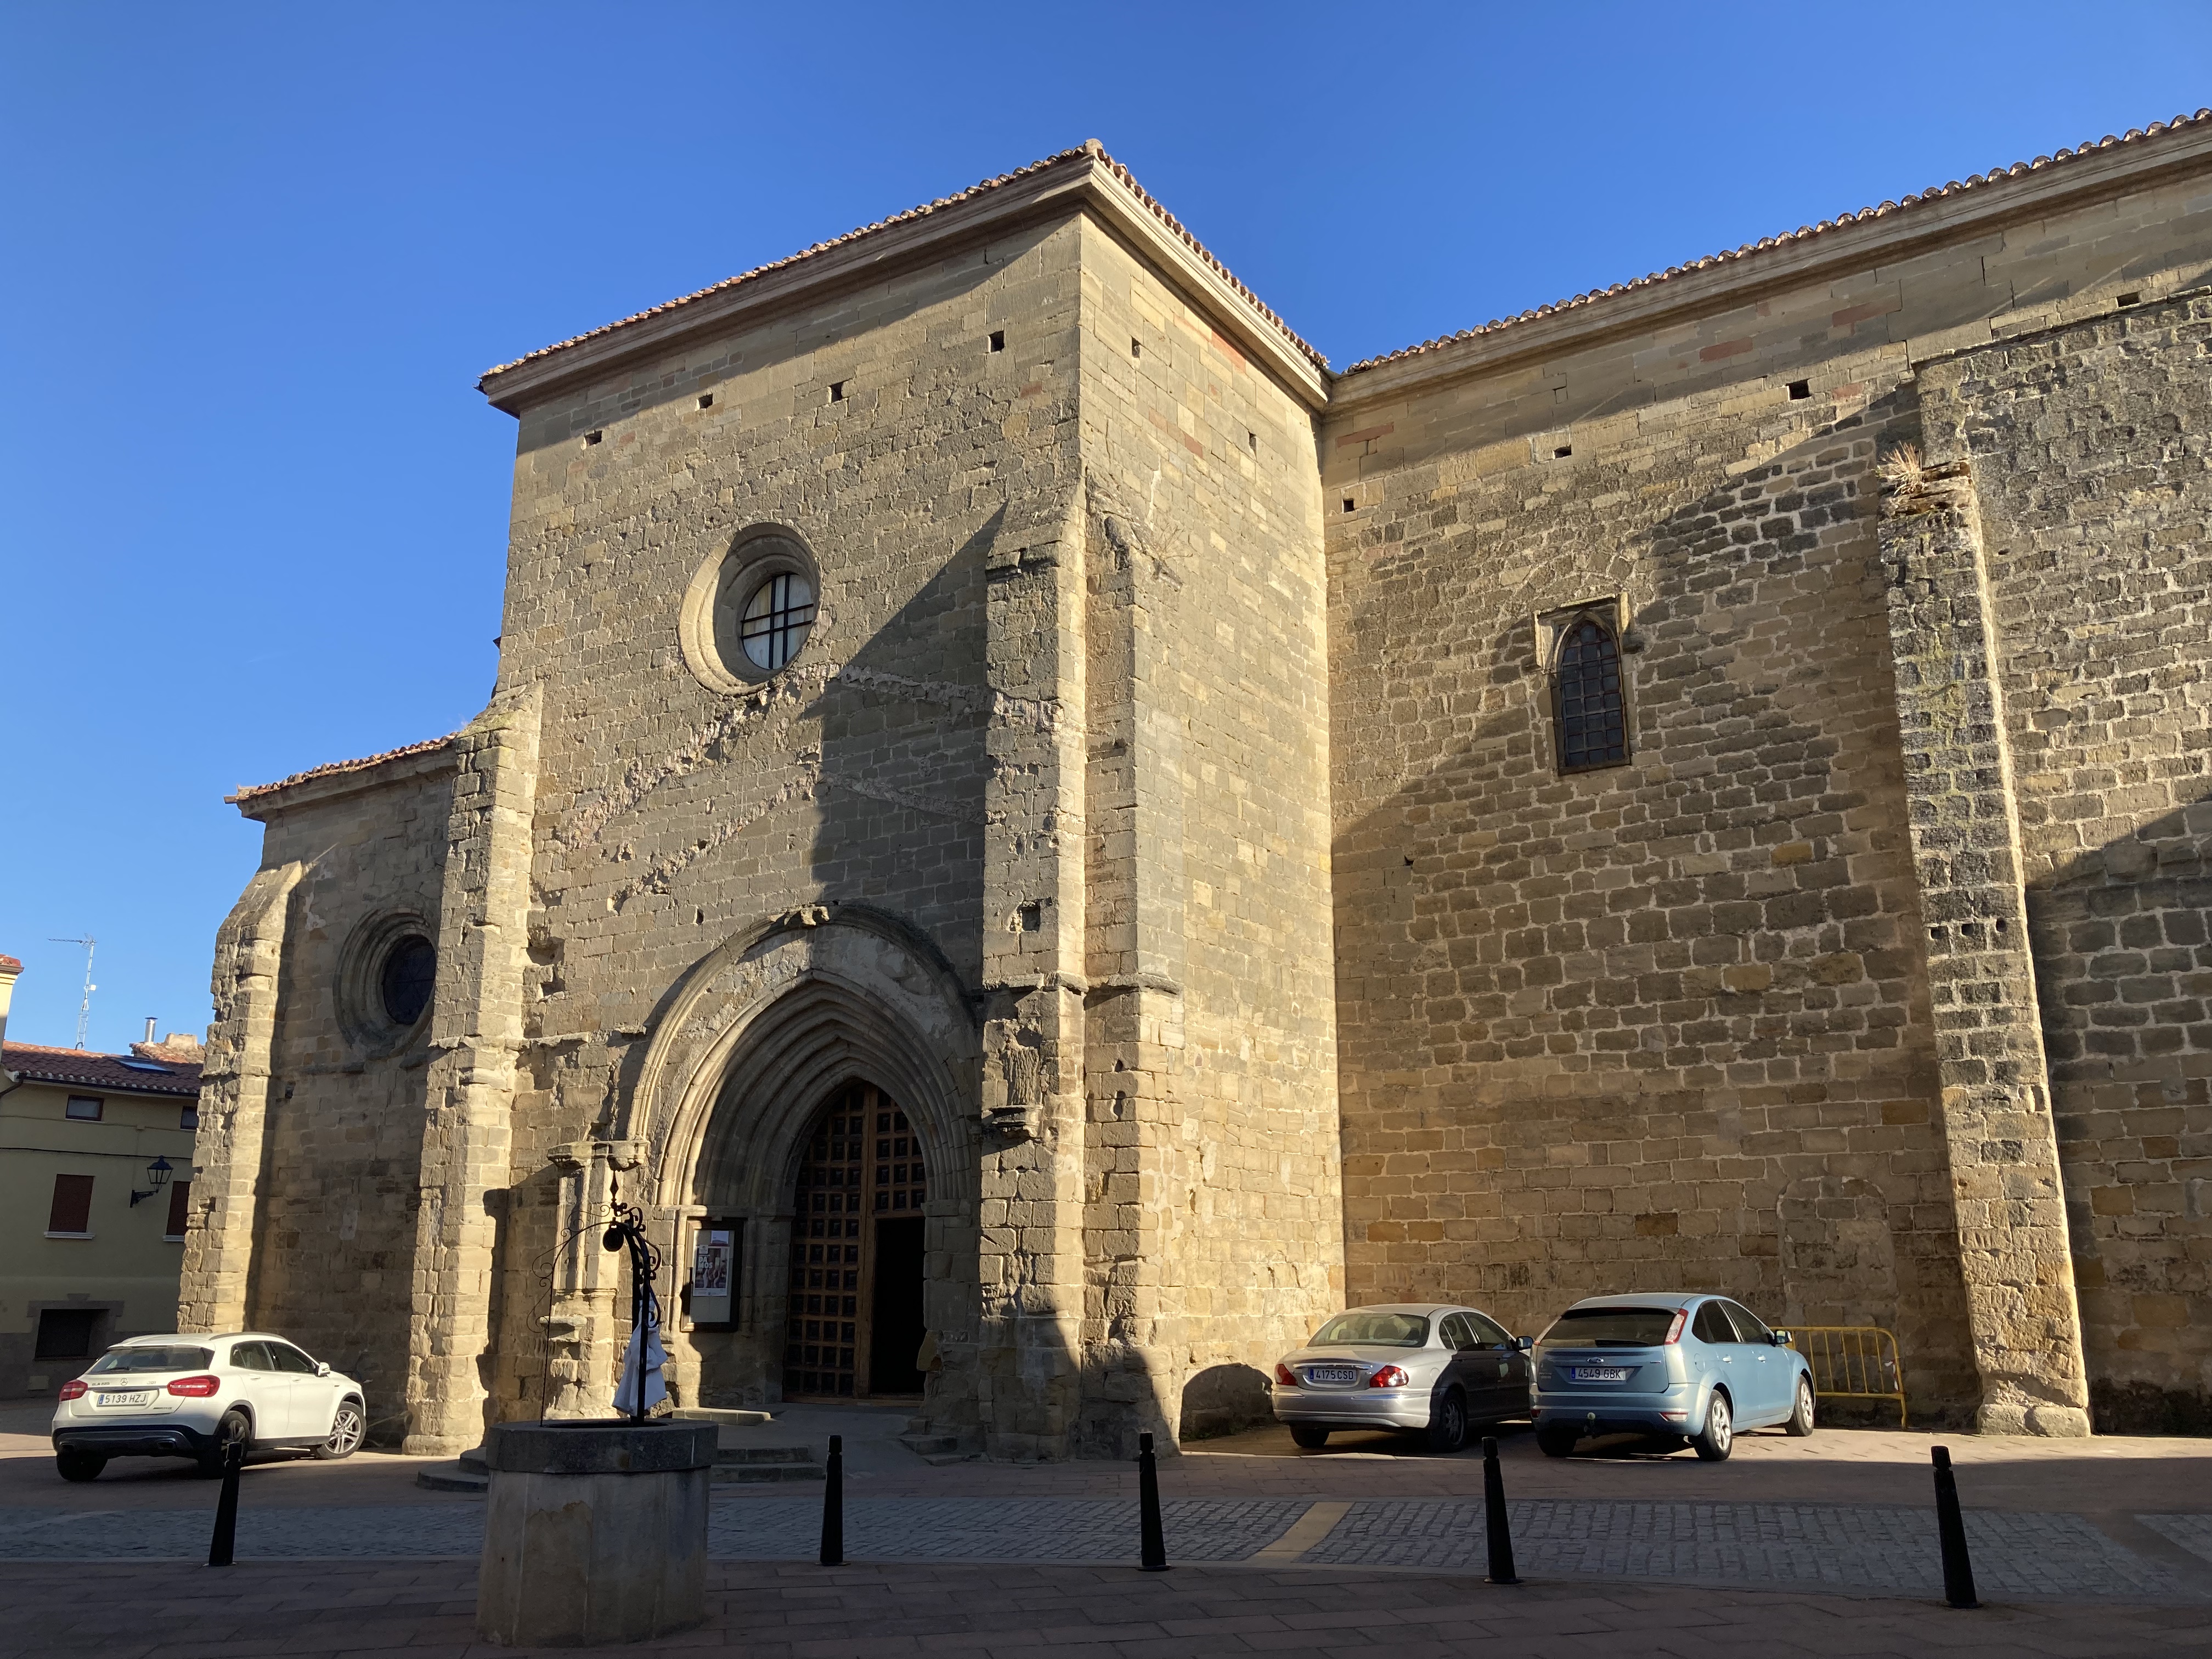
[83, 1008]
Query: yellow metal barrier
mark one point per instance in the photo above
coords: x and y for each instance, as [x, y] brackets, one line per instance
[1852, 1362]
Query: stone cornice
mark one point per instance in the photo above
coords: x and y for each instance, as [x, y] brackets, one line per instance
[1886, 236]
[313, 789]
[1087, 181]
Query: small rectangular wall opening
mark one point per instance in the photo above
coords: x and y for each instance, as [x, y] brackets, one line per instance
[1801, 389]
[1136, 347]
[1350, 506]
[591, 437]
[706, 400]
[1563, 451]
[837, 392]
[997, 339]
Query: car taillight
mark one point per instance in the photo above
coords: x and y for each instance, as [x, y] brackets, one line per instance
[1389, 1378]
[74, 1390]
[1283, 1376]
[196, 1387]
[1675, 1330]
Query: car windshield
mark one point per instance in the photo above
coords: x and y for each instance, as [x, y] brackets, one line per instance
[151, 1359]
[1388, 1330]
[1610, 1327]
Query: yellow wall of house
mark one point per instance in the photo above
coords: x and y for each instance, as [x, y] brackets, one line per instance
[127, 1268]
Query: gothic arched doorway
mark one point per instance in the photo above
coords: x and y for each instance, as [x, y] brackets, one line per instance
[854, 1322]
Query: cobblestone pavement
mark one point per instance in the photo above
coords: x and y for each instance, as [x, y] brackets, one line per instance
[1832, 1547]
[1868, 1548]
[2192, 1532]
[987, 1529]
[425, 1610]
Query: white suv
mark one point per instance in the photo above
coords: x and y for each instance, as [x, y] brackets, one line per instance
[184, 1396]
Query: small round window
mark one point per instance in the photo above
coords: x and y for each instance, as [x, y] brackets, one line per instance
[776, 620]
[411, 969]
[751, 608]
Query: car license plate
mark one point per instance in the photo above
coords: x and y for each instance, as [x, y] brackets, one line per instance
[136, 1397]
[1601, 1373]
[1333, 1374]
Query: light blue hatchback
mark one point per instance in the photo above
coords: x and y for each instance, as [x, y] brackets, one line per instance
[1695, 1365]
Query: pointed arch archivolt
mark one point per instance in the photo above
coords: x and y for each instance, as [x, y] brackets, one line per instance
[767, 1023]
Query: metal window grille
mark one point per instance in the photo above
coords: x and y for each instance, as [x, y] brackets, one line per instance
[776, 620]
[1591, 707]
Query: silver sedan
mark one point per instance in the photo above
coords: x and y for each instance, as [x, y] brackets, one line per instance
[1429, 1366]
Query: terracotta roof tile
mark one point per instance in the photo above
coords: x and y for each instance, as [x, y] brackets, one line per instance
[1121, 173]
[249, 792]
[1973, 181]
[81, 1068]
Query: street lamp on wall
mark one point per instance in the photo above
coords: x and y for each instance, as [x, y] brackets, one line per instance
[157, 1176]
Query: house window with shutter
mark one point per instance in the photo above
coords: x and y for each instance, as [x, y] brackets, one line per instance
[179, 1202]
[70, 1216]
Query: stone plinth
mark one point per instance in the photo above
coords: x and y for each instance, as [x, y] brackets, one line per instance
[596, 1533]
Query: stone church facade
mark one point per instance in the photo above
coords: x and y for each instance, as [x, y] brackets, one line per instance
[1021, 810]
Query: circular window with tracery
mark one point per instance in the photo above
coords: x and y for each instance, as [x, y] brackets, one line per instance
[751, 609]
[409, 975]
[776, 620]
[387, 972]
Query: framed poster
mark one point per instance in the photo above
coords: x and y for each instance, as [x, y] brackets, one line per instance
[714, 1272]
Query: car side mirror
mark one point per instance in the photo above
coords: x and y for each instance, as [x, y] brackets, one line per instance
[1524, 1343]
[322, 1368]
[1781, 1339]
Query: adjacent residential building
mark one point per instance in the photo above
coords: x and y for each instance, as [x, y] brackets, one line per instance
[95, 1167]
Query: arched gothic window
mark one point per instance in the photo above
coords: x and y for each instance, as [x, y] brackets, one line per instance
[1588, 704]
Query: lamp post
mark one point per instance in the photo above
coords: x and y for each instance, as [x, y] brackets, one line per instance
[157, 1176]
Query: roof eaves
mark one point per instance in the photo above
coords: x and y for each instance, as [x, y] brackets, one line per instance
[261, 791]
[1091, 153]
[1788, 239]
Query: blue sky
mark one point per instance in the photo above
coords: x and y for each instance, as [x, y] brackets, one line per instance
[257, 255]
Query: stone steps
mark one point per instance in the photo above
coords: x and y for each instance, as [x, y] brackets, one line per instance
[935, 1449]
[452, 1477]
[750, 1465]
[728, 1418]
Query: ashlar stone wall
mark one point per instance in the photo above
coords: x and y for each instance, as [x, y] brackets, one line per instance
[878, 425]
[305, 1194]
[2087, 443]
[1667, 1023]
[1213, 1201]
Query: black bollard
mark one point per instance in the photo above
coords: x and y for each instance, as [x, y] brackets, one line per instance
[1154, 1542]
[833, 1505]
[1951, 1528]
[1496, 1530]
[226, 1505]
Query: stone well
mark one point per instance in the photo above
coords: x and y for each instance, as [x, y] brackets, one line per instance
[596, 1531]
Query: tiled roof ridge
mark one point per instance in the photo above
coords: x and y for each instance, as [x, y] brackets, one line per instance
[2134, 134]
[95, 1069]
[332, 768]
[1090, 147]
[89, 1053]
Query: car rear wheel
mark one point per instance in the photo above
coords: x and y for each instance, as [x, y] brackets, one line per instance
[1801, 1415]
[346, 1431]
[1447, 1425]
[1556, 1442]
[234, 1426]
[79, 1465]
[1313, 1438]
[1717, 1439]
